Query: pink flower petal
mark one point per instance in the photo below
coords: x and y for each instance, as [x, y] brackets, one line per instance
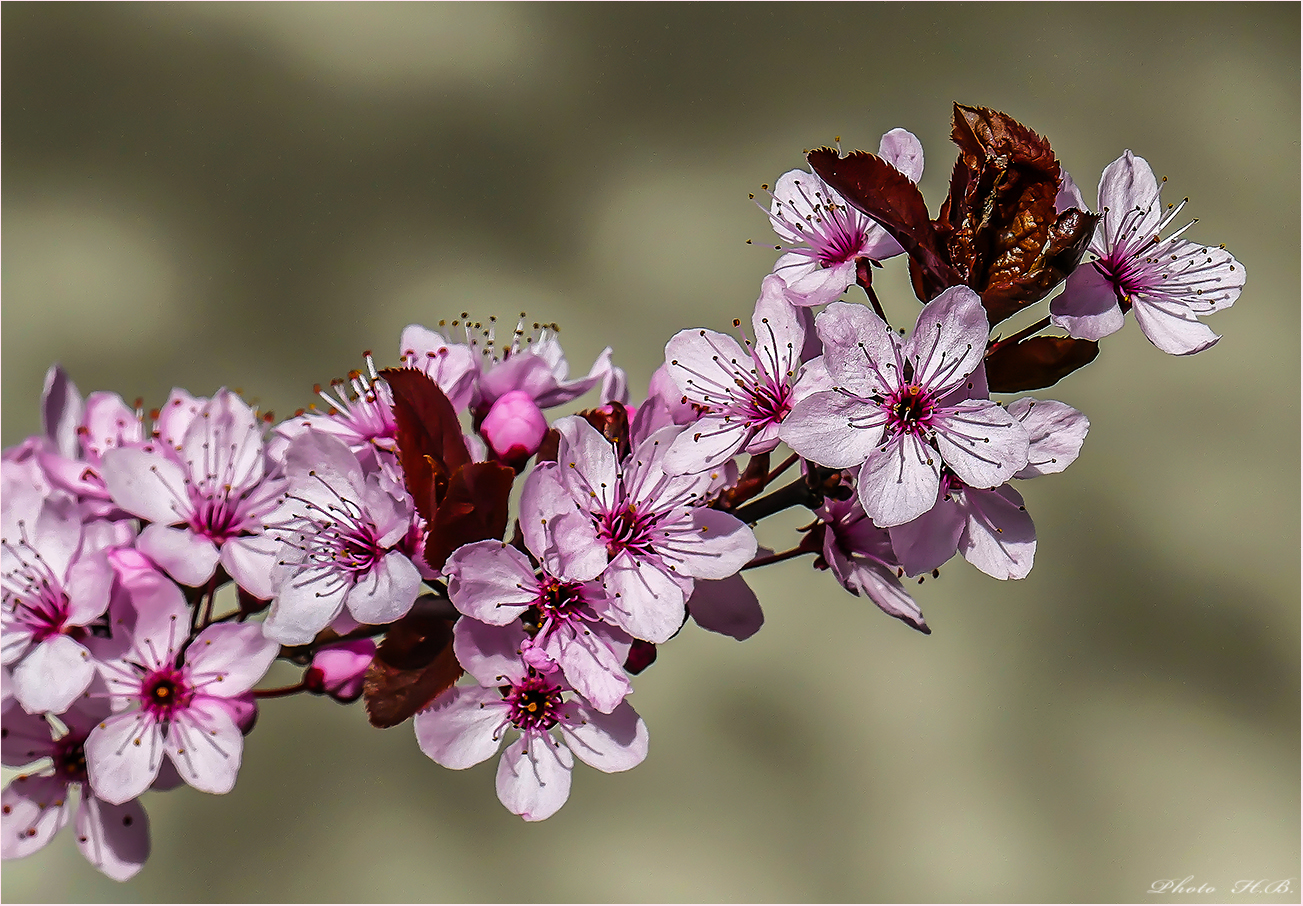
[123, 755]
[146, 484]
[590, 665]
[459, 729]
[899, 482]
[533, 777]
[250, 560]
[490, 581]
[923, 544]
[1172, 327]
[52, 675]
[228, 659]
[306, 602]
[1056, 432]
[26, 738]
[705, 445]
[949, 339]
[727, 606]
[113, 838]
[609, 742]
[387, 592]
[833, 429]
[491, 654]
[720, 545]
[189, 558]
[982, 443]
[999, 538]
[1088, 306]
[861, 352]
[36, 808]
[205, 745]
[645, 601]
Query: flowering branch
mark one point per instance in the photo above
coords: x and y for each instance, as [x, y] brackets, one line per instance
[438, 545]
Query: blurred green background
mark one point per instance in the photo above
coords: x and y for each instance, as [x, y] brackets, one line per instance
[252, 194]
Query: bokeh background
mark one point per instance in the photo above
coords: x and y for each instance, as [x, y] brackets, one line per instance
[251, 195]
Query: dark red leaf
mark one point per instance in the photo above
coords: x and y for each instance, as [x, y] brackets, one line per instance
[430, 443]
[473, 509]
[878, 189]
[1036, 362]
[413, 664]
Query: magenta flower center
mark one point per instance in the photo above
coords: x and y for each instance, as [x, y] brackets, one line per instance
[834, 233]
[910, 409]
[535, 703]
[626, 529]
[163, 692]
[34, 599]
[217, 518]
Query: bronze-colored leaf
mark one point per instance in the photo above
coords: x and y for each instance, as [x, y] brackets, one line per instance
[413, 664]
[430, 443]
[876, 188]
[985, 135]
[612, 420]
[1036, 362]
[473, 509]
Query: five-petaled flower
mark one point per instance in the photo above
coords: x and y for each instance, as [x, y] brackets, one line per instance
[1169, 283]
[899, 409]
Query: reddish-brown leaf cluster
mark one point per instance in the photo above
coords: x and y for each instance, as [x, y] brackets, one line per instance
[997, 231]
[413, 664]
[461, 501]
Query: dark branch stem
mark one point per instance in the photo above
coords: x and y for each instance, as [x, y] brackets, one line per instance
[777, 558]
[280, 692]
[1019, 336]
[783, 467]
[789, 495]
[427, 605]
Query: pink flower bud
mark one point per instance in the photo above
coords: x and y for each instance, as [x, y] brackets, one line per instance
[514, 428]
[243, 709]
[339, 670]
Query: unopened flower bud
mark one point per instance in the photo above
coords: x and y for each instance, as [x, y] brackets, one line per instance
[339, 670]
[514, 428]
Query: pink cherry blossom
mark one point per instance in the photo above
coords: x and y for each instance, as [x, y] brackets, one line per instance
[467, 724]
[991, 529]
[56, 581]
[39, 802]
[898, 410]
[823, 235]
[743, 395]
[176, 699]
[642, 529]
[861, 557]
[495, 584]
[1169, 283]
[205, 498]
[340, 535]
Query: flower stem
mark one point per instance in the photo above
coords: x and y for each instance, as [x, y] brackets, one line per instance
[776, 558]
[782, 467]
[280, 692]
[426, 604]
[1019, 336]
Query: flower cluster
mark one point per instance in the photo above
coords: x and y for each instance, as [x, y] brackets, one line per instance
[387, 515]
